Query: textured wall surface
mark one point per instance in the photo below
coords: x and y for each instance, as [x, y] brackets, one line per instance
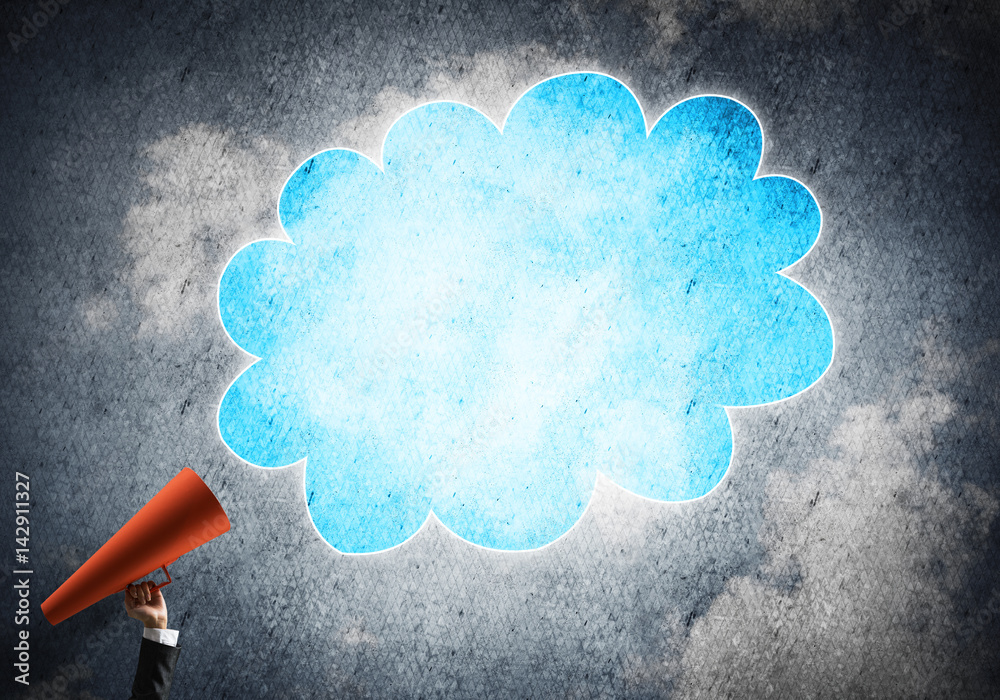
[849, 552]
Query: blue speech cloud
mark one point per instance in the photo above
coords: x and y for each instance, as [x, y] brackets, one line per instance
[482, 325]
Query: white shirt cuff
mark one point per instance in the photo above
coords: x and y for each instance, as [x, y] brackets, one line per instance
[154, 634]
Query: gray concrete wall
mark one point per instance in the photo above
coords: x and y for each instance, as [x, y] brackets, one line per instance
[851, 550]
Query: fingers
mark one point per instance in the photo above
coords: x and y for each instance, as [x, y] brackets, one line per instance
[155, 595]
[141, 594]
[144, 602]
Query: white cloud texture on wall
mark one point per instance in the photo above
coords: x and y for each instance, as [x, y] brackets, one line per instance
[866, 548]
[206, 194]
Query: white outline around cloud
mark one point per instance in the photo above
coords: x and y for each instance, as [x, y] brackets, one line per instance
[648, 127]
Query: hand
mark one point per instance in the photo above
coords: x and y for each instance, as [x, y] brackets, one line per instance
[146, 604]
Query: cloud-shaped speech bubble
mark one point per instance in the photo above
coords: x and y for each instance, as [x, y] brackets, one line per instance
[480, 326]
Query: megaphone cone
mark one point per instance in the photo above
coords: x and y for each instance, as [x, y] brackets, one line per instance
[183, 515]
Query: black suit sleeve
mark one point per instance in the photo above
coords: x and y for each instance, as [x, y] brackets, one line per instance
[155, 671]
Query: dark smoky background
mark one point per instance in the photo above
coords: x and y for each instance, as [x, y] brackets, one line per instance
[851, 550]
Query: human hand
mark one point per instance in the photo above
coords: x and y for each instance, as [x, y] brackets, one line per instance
[146, 604]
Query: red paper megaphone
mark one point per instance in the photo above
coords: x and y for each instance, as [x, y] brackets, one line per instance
[182, 516]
